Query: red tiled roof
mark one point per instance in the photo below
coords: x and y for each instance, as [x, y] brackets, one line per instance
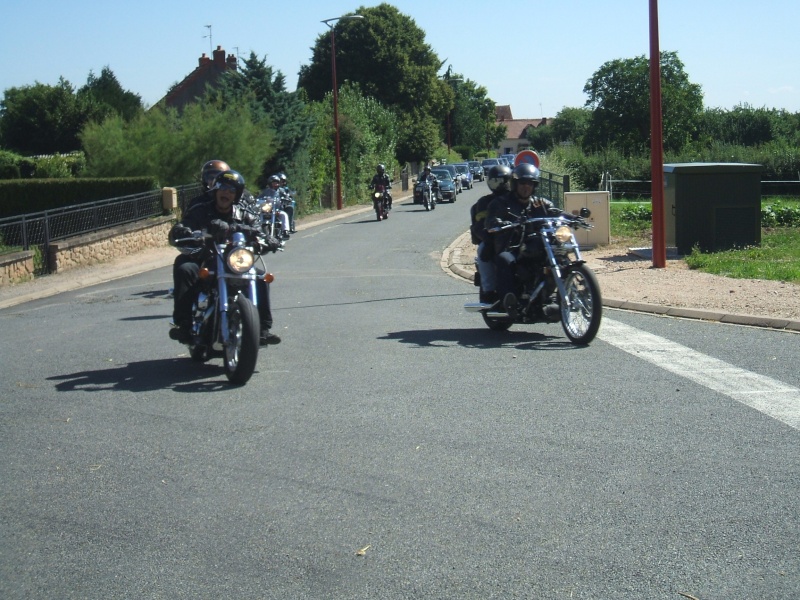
[516, 127]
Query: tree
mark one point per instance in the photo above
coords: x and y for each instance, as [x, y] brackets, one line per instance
[107, 93]
[619, 96]
[472, 113]
[386, 54]
[41, 119]
[286, 112]
[173, 145]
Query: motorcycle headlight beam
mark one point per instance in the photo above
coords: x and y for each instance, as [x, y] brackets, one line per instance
[240, 260]
[563, 234]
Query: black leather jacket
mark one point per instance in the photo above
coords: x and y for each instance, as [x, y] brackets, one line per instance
[509, 209]
[201, 215]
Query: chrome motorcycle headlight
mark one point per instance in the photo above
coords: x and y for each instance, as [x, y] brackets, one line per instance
[563, 234]
[377, 195]
[266, 207]
[240, 260]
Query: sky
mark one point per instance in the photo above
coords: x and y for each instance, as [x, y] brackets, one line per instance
[534, 55]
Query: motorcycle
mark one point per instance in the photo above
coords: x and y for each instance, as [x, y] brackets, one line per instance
[553, 281]
[269, 207]
[380, 202]
[425, 192]
[225, 320]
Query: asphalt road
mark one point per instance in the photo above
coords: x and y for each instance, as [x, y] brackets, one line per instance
[392, 446]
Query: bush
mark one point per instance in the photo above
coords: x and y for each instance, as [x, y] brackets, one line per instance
[778, 215]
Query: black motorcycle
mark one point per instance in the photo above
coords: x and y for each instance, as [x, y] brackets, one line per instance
[225, 320]
[553, 281]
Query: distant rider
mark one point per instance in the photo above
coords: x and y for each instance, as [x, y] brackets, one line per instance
[381, 178]
[289, 204]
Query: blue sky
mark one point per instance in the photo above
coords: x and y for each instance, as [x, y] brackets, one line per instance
[535, 55]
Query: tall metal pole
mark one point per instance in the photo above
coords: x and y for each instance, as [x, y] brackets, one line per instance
[656, 144]
[336, 106]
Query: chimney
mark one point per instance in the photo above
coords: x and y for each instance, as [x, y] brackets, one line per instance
[231, 61]
[204, 60]
[219, 57]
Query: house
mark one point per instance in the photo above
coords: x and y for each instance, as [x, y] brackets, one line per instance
[193, 86]
[516, 130]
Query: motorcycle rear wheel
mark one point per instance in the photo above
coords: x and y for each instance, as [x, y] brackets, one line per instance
[582, 309]
[241, 353]
[496, 324]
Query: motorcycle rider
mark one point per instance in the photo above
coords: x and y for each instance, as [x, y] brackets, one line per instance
[273, 190]
[498, 181]
[217, 217]
[381, 178]
[426, 175]
[288, 201]
[521, 202]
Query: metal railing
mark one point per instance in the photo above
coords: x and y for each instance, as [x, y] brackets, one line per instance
[640, 189]
[39, 230]
[552, 186]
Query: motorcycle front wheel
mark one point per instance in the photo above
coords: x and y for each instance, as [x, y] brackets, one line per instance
[582, 308]
[241, 353]
[426, 199]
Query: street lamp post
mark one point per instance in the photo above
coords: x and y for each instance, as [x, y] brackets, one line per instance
[448, 114]
[336, 105]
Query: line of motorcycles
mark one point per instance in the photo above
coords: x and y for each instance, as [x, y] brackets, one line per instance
[553, 283]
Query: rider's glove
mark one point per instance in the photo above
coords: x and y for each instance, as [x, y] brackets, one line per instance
[219, 229]
[554, 212]
[271, 243]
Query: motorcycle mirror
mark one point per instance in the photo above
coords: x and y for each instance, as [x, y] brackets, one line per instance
[585, 213]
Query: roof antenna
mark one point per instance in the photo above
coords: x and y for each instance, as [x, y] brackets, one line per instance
[210, 43]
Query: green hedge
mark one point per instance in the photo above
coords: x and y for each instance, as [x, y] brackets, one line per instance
[23, 196]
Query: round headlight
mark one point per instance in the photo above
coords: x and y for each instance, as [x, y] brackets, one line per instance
[563, 234]
[266, 207]
[378, 194]
[240, 260]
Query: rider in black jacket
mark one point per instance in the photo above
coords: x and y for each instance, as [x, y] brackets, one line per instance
[381, 178]
[498, 180]
[217, 216]
[520, 203]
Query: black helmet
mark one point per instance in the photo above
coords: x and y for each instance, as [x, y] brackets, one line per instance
[210, 170]
[524, 172]
[232, 180]
[381, 169]
[498, 179]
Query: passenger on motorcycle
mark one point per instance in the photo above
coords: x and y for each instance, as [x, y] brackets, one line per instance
[381, 178]
[216, 217]
[498, 180]
[520, 203]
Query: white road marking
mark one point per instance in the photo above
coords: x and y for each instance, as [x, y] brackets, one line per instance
[769, 396]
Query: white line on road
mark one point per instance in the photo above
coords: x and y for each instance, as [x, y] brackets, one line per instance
[770, 396]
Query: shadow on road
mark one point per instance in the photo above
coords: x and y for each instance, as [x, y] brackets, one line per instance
[178, 374]
[480, 338]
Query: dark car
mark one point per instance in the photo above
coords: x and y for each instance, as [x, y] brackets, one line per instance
[488, 163]
[465, 173]
[447, 186]
[454, 174]
[477, 170]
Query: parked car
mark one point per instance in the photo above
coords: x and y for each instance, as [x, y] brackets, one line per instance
[510, 158]
[454, 174]
[466, 176]
[477, 170]
[447, 186]
[488, 163]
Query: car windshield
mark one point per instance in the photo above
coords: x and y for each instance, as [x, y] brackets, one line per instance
[490, 162]
[462, 168]
[442, 174]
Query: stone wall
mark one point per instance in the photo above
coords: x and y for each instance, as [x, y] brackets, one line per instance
[16, 267]
[102, 246]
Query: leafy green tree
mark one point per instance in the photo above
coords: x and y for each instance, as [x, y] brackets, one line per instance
[469, 118]
[173, 146]
[619, 96]
[286, 112]
[386, 54]
[107, 94]
[41, 119]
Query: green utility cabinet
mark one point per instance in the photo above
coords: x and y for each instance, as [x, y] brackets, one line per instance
[715, 206]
